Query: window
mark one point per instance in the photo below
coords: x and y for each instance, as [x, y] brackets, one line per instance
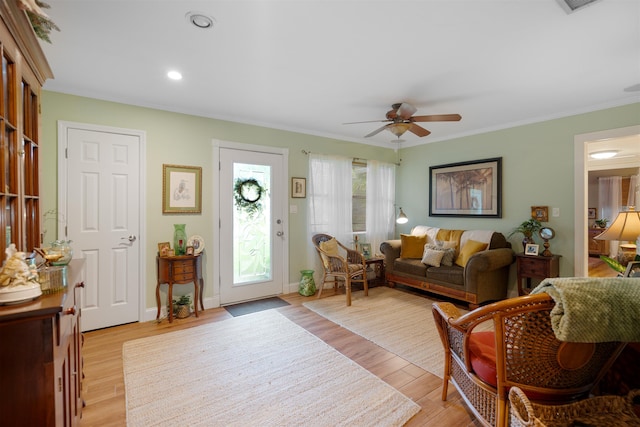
[359, 196]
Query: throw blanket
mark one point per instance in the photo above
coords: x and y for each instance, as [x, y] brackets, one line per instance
[589, 309]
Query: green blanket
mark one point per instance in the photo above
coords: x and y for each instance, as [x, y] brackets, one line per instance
[590, 309]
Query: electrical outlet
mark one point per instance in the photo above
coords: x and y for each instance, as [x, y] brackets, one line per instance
[555, 212]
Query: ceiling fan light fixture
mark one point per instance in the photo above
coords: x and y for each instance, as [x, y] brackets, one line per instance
[606, 154]
[399, 128]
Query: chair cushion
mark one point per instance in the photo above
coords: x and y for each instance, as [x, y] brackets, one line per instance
[412, 246]
[331, 248]
[482, 354]
[470, 248]
[432, 257]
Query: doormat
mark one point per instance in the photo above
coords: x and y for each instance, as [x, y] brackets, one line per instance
[254, 306]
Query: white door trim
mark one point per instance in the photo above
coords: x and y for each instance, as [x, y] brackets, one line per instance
[217, 145]
[581, 188]
[63, 199]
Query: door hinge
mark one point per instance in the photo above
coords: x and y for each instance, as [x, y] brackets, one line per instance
[66, 154]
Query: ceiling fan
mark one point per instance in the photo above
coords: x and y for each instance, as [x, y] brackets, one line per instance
[401, 119]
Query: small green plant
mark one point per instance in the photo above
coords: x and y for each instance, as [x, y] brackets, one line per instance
[613, 264]
[183, 300]
[527, 227]
[602, 222]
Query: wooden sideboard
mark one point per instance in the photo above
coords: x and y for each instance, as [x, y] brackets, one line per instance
[179, 270]
[41, 361]
[535, 267]
[597, 247]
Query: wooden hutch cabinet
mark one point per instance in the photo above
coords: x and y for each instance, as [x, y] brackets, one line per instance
[24, 71]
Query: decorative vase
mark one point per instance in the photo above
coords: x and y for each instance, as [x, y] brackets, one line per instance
[528, 240]
[179, 239]
[307, 284]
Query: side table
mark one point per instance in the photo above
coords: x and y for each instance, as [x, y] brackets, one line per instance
[535, 267]
[179, 270]
[378, 268]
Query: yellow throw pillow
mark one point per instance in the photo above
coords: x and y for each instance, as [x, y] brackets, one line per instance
[412, 246]
[470, 248]
[331, 248]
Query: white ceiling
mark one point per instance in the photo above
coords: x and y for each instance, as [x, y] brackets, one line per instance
[309, 65]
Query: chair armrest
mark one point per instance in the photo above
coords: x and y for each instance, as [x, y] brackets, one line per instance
[492, 259]
[391, 250]
[355, 257]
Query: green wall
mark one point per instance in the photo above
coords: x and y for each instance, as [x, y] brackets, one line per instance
[185, 140]
[537, 169]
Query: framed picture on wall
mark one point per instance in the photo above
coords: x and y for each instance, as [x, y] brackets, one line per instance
[592, 213]
[181, 189]
[466, 189]
[541, 213]
[298, 188]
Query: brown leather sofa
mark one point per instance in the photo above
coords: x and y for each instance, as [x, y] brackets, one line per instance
[484, 278]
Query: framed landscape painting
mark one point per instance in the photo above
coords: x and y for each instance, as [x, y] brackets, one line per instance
[472, 188]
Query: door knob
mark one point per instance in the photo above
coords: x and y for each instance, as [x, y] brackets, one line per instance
[131, 238]
[280, 233]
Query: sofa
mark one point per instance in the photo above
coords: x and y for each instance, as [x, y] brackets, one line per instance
[467, 265]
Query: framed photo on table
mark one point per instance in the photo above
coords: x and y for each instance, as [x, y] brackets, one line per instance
[633, 269]
[365, 249]
[531, 249]
[181, 189]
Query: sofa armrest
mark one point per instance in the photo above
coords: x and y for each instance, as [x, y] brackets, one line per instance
[487, 274]
[391, 250]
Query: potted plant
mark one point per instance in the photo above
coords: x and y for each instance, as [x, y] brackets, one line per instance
[602, 222]
[182, 307]
[527, 228]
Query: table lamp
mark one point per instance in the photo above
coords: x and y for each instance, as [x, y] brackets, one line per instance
[626, 227]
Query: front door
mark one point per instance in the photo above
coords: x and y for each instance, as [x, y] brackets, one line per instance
[101, 178]
[252, 224]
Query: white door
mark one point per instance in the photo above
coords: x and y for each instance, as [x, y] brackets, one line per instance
[103, 221]
[252, 193]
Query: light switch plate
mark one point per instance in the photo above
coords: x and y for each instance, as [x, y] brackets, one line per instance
[555, 212]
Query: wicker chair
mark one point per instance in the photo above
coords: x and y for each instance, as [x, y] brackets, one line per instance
[527, 355]
[349, 268]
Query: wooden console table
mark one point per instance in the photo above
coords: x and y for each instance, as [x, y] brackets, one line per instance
[535, 267]
[180, 270]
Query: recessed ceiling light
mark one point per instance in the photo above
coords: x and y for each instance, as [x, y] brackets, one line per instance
[200, 20]
[607, 154]
[174, 75]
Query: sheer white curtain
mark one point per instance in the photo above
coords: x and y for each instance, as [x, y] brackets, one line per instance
[609, 203]
[381, 194]
[329, 194]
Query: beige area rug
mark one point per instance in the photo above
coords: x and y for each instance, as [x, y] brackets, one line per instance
[260, 369]
[397, 321]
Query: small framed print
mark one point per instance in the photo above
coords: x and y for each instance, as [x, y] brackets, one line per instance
[592, 213]
[189, 250]
[633, 269]
[181, 189]
[365, 249]
[531, 249]
[541, 213]
[298, 188]
[163, 248]
[171, 252]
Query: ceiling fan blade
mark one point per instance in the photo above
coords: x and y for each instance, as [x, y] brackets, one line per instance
[418, 130]
[406, 110]
[376, 131]
[437, 118]
[368, 121]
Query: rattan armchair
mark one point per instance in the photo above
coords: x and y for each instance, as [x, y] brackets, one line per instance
[346, 266]
[527, 355]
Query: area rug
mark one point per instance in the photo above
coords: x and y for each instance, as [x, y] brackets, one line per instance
[254, 306]
[397, 321]
[255, 370]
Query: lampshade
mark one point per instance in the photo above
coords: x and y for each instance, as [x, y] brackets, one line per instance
[626, 227]
[399, 128]
[402, 218]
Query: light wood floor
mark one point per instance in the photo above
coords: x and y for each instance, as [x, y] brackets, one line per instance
[103, 386]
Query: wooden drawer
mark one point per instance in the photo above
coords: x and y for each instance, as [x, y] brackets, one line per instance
[533, 268]
[183, 267]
